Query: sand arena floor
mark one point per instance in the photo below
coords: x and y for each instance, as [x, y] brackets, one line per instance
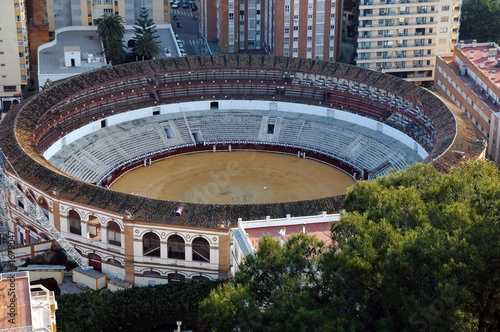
[235, 178]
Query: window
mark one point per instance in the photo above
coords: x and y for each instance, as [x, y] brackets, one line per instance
[94, 228]
[21, 54]
[231, 16]
[176, 247]
[173, 277]
[201, 250]
[443, 30]
[74, 223]
[287, 8]
[151, 245]
[287, 31]
[19, 30]
[444, 19]
[9, 88]
[445, 8]
[295, 28]
[107, 11]
[44, 206]
[114, 234]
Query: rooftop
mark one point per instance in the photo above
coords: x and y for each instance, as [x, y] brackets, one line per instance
[15, 288]
[485, 57]
[282, 228]
[51, 55]
[87, 41]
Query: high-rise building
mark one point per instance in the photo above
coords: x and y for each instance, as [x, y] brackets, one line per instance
[308, 29]
[402, 37]
[63, 13]
[14, 51]
[470, 78]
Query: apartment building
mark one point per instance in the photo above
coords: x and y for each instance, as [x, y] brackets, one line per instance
[63, 13]
[402, 37]
[14, 51]
[470, 78]
[307, 29]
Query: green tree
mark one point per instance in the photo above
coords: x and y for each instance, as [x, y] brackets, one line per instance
[146, 44]
[146, 47]
[414, 251]
[114, 51]
[480, 19]
[275, 290]
[111, 27]
[418, 250]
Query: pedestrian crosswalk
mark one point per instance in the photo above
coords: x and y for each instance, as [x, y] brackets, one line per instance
[182, 12]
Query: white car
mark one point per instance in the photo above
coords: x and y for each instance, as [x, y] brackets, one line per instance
[176, 4]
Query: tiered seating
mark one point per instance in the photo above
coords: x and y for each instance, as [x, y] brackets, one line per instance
[227, 127]
[108, 149]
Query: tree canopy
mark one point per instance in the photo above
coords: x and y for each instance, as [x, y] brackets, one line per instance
[114, 51]
[416, 250]
[480, 19]
[111, 31]
[146, 42]
[111, 27]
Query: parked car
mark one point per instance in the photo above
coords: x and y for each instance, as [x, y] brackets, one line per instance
[194, 7]
[176, 4]
[185, 4]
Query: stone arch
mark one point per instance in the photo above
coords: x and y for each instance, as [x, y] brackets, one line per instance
[44, 205]
[201, 249]
[151, 245]
[176, 247]
[75, 222]
[114, 233]
[94, 228]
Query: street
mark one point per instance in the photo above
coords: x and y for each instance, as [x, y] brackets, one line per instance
[189, 30]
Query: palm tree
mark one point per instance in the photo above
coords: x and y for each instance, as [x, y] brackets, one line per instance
[146, 46]
[114, 51]
[111, 27]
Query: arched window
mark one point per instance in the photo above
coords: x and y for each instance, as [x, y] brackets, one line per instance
[94, 228]
[44, 206]
[176, 247]
[201, 250]
[31, 196]
[113, 261]
[175, 277]
[20, 201]
[114, 234]
[44, 238]
[151, 245]
[74, 223]
[200, 278]
[153, 274]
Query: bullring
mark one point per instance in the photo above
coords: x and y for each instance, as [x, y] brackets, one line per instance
[147, 239]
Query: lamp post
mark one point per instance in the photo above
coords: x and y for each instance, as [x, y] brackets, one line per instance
[179, 324]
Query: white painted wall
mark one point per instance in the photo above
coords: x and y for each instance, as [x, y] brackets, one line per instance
[241, 105]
